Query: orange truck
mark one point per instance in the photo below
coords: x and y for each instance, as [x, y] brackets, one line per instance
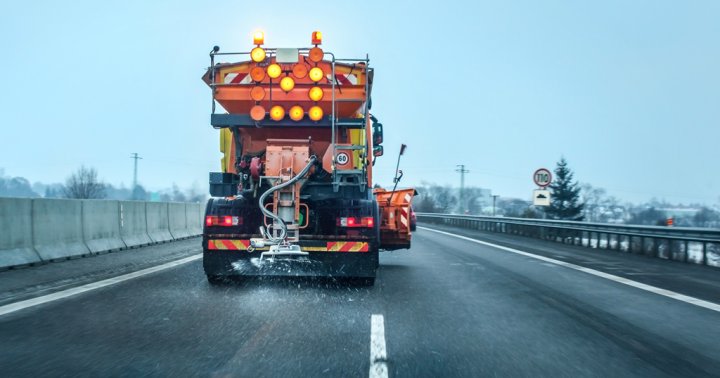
[295, 194]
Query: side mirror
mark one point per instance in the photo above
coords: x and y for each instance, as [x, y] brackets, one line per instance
[378, 151]
[377, 133]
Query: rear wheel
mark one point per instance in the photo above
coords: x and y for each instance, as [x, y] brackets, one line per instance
[216, 279]
[363, 281]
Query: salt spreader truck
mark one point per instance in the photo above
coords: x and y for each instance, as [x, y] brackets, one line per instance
[295, 195]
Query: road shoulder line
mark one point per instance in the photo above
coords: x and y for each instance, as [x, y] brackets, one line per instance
[21, 305]
[666, 293]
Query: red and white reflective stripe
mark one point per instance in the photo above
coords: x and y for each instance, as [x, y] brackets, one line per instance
[347, 247]
[230, 245]
[344, 79]
[237, 78]
[407, 197]
[404, 211]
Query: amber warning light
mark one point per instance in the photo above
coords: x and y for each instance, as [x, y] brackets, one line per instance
[316, 38]
[258, 38]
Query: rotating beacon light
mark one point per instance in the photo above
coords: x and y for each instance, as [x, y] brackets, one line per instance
[258, 38]
[257, 54]
[316, 38]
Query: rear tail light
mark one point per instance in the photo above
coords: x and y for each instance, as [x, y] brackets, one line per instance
[367, 222]
[223, 220]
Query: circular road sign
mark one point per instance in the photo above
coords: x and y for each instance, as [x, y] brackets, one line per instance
[542, 177]
[342, 158]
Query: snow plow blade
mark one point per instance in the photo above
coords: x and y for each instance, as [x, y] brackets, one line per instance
[394, 217]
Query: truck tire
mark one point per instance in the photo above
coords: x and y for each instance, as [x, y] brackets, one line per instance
[363, 281]
[216, 279]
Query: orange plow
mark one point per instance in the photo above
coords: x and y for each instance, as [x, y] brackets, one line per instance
[394, 217]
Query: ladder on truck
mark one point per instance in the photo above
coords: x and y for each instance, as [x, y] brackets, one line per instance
[340, 177]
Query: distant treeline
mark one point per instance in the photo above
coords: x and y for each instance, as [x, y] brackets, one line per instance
[84, 184]
[598, 207]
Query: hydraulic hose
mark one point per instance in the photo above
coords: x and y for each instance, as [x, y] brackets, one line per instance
[272, 215]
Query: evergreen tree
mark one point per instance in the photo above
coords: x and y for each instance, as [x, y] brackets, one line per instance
[565, 199]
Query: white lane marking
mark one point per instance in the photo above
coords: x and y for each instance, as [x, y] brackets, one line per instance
[611, 277]
[17, 306]
[378, 355]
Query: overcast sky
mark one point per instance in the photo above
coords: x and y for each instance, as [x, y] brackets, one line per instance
[627, 91]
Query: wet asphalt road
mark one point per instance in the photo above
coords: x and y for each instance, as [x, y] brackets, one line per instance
[451, 308]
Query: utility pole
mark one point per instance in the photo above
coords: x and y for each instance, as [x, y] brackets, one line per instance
[463, 171]
[495, 196]
[136, 157]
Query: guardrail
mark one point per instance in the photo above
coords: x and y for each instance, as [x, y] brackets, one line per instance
[693, 245]
[40, 230]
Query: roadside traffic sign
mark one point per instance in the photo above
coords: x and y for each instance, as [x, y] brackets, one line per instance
[542, 177]
[541, 197]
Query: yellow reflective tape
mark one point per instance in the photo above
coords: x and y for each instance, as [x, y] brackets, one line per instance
[219, 244]
[337, 246]
[315, 249]
[357, 247]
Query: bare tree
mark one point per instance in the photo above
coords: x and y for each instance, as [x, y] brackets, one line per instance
[443, 198]
[84, 184]
[177, 194]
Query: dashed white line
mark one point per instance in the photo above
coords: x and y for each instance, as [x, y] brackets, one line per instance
[17, 306]
[597, 273]
[378, 354]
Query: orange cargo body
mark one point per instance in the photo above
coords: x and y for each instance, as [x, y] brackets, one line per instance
[234, 85]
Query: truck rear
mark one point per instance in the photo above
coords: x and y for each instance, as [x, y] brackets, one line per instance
[295, 196]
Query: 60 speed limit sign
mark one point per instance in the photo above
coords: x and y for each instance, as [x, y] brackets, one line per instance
[342, 158]
[542, 177]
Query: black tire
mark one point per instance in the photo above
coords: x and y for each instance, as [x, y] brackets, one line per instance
[363, 281]
[216, 280]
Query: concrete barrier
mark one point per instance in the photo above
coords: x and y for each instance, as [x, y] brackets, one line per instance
[58, 229]
[46, 229]
[194, 213]
[157, 222]
[16, 246]
[101, 225]
[133, 224]
[177, 215]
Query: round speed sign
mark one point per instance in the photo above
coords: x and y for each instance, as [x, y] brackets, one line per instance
[542, 177]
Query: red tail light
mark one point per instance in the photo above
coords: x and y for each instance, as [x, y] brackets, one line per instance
[367, 222]
[223, 220]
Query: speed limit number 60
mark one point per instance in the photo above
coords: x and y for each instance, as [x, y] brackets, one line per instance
[542, 177]
[342, 158]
